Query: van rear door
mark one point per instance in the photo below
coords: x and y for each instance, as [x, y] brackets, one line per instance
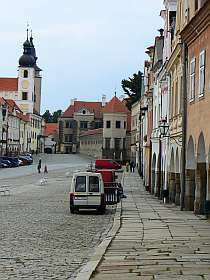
[80, 192]
[94, 191]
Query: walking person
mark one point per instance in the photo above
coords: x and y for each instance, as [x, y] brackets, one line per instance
[39, 166]
[131, 166]
[45, 169]
[134, 166]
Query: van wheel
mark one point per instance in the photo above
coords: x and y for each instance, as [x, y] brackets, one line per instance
[72, 209]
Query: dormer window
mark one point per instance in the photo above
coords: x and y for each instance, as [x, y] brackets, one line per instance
[25, 74]
[84, 112]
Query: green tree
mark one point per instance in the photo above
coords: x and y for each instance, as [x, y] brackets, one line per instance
[47, 116]
[133, 87]
[52, 118]
[56, 115]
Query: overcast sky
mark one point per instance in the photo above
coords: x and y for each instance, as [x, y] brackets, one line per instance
[85, 48]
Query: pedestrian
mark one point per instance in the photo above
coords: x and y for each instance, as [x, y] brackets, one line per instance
[39, 166]
[134, 165]
[127, 166]
[131, 166]
[45, 169]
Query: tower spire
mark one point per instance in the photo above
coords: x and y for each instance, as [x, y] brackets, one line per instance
[27, 29]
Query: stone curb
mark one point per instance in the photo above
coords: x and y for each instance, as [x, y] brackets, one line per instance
[87, 271]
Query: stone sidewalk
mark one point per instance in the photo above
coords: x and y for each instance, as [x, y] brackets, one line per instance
[155, 241]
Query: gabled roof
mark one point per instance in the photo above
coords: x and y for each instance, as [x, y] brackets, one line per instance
[93, 107]
[50, 129]
[69, 113]
[115, 106]
[8, 84]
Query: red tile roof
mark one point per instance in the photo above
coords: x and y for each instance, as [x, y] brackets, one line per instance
[69, 113]
[50, 129]
[8, 84]
[115, 106]
[93, 107]
[92, 132]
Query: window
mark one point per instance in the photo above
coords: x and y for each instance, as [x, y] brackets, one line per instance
[83, 125]
[80, 184]
[117, 144]
[84, 112]
[107, 143]
[25, 74]
[68, 137]
[24, 95]
[93, 184]
[124, 125]
[202, 73]
[67, 124]
[117, 124]
[192, 79]
[108, 124]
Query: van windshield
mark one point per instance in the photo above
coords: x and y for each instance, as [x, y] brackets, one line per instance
[93, 184]
[80, 184]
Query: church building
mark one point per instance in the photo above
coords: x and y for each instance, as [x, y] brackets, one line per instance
[25, 90]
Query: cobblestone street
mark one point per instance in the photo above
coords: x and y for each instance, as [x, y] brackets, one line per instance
[39, 238]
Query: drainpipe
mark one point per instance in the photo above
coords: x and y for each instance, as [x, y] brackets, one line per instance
[184, 123]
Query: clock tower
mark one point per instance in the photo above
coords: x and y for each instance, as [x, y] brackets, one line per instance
[29, 79]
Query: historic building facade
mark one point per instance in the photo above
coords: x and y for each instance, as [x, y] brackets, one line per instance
[195, 35]
[113, 140]
[80, 116]
[25, 90]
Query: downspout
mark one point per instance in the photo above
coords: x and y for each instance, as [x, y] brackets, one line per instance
[184, 123]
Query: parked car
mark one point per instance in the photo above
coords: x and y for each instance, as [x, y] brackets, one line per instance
[107, 164]
[5, 163]
[26, 159]
[14, 160]
[87, 192]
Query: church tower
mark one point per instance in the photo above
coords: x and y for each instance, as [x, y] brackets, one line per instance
[29, 79]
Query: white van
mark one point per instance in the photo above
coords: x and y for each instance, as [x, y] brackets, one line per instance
[87, 192]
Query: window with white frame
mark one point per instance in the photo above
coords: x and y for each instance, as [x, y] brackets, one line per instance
[192, 79]
[202, 73]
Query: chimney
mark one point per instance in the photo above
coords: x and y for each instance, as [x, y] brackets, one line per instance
[103, 100]
[73, 100]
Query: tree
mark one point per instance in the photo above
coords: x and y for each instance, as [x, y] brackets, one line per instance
[47, 116]
[52, 118]
[56, 115]
[132, 87]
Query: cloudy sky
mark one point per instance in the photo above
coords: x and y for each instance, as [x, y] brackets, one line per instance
[85, 48]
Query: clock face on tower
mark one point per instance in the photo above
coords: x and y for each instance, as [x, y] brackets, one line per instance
[25, 84]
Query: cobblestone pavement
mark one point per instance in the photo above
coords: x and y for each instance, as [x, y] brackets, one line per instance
[156, 241]
[39, 238]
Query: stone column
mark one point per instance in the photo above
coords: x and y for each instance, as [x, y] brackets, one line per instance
[190, 189]
[172, 188]
[201, 187]
[153, 182]
[157, 183]
[178, 189]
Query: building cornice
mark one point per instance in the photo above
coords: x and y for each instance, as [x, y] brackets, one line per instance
[197, 24]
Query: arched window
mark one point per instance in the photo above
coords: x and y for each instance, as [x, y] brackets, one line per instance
[25, 74]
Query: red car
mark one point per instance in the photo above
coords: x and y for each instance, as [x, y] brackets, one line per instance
[107, 164]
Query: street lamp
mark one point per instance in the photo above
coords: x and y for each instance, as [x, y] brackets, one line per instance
[164, 127]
